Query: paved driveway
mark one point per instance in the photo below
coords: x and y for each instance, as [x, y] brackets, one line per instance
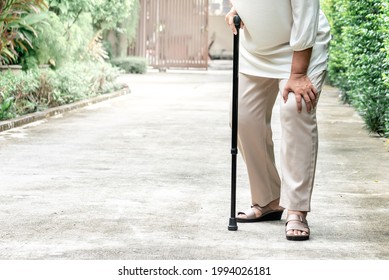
[147, 176]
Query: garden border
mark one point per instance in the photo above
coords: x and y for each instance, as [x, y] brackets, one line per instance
[33, 117]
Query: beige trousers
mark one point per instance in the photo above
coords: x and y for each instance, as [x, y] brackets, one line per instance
[299, 143]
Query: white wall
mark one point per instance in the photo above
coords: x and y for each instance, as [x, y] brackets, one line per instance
[218, 29]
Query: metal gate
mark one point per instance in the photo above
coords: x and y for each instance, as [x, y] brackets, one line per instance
[174, 33]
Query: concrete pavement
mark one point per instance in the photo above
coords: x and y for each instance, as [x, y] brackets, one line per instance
[146, 176]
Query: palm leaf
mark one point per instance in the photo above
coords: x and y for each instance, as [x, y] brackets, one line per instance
[17, 18]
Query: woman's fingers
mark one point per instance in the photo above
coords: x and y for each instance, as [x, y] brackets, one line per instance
[303, 90]
[308, 103]
[230, 20]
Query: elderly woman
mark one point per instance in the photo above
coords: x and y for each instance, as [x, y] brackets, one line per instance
[283, 48]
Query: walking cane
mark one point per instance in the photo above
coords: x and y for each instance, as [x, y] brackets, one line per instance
[234, 124]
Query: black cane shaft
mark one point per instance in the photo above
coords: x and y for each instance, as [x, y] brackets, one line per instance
[235, 87]
[234, 124]
[233, 194]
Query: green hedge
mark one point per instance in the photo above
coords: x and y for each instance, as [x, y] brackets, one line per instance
[38, 89]
[359, 57]
[137, 65]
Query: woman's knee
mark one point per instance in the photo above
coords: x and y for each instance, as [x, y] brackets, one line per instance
[289, 109]
[290, 114]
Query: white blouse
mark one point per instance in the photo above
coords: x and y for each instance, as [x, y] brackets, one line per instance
[273, 29]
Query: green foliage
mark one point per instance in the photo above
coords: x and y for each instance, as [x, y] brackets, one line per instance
[38, 89]
[136, 65]
[49, 46]
[130, 24]
[6, 106]
[70, 10]
[70, 30]
[20, 88]
[28, 94]
[106, 14]
[86, 22]
[17, 18]
[70, 86]
[359, 57]
[79, 36]
[68, 37]
[96, 49]
[55, 44]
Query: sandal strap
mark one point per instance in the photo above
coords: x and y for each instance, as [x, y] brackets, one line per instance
[295, 217]
[250, 214]
[296, 222]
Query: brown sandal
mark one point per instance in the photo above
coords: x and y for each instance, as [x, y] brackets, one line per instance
[296, 222]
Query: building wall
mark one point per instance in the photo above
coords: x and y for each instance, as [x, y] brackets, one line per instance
[221, 36]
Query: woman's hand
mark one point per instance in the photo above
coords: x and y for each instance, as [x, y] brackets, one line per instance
[230, 20]
[299, 83]
[302, 88]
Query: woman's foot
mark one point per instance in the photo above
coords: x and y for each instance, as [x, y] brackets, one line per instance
[297, 226]
[270, 212]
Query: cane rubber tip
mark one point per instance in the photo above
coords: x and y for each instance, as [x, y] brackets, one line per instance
[232, 226]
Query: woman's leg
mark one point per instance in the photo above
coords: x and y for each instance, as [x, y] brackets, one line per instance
[256, 99]
[299, 145]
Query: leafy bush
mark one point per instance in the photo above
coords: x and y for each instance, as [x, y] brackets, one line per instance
[16, 20]
[359, 57]
[70, 86]
[20, 88]
[38, 89]
[106, 14]
[136, 65]
[49, 46]
[68, 36]
[6, 106]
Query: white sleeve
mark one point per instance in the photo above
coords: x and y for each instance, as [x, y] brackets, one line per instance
[305, 23]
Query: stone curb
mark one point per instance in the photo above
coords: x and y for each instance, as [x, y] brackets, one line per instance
[33, 117]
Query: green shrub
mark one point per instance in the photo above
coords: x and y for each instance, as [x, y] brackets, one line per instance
[6, 105]
[22, 89]
[56, 43]
[359, 57]
[16, 26]
[96, 79]
[38, 89]
[67, 36]
[137, 65]
[49, 46]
